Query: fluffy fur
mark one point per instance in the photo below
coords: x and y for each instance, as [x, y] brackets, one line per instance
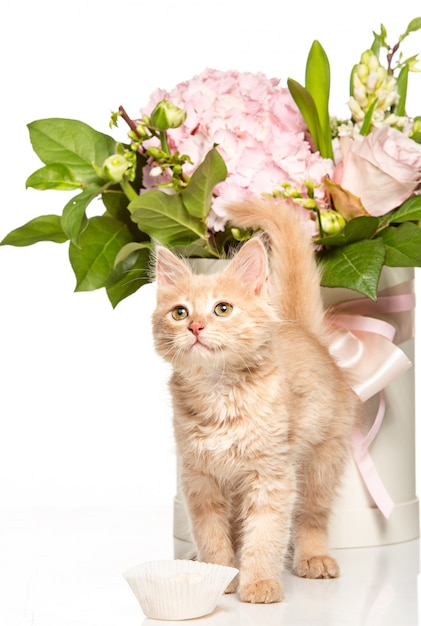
[262, 413]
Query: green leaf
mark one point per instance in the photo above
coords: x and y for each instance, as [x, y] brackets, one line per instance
[402, 88]
[130, 249]
[351, 80]
[362, 227]
[42, 228]
[403, 245]
[416, 129]
[409, 210]
[304, 101]
[134, 275]
[164, 218]
[55, 176]
[93, 260]
[74, 219]
[317, 84]
[379, 41]
[116, 202]
[356, 266]
[198, 248]
[73, 144]
[366, 125]
[197, 196]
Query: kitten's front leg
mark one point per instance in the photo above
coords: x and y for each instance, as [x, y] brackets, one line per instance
[209, 511]
[267, 512]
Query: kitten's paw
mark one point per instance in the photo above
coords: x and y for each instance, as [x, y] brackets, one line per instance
[317, 567]
[262, 591]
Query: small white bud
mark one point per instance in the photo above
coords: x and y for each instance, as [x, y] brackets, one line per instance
[155, 171]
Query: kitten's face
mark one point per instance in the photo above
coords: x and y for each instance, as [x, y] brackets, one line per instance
[211, 320]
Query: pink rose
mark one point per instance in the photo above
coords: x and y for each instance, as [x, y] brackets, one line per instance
[382, 169]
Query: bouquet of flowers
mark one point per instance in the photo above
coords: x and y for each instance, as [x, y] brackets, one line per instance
[223, 136]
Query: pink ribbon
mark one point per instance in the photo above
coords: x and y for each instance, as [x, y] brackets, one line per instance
[363, 332]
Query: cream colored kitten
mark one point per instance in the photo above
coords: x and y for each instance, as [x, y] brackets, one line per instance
[262, 414]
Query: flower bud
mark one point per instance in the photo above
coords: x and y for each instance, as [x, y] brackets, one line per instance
[166, 115]
[360, 94]
[115, 167]
[141, 131]
[156, 153]
[291, 193]
[372, 82]
[370, 59]
[332, 222]
[377, 118]
[373, 87]
[361, 73]
[155, 171]
[356, 110]
[307, 203]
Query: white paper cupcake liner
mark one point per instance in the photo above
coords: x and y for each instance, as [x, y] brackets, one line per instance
[178, 589]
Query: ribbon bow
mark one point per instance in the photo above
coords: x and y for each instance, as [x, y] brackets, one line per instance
[362, 334]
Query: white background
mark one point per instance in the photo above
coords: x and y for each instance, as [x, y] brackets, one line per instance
[84, 408]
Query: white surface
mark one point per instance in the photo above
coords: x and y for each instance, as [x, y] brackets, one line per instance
[86, 453]
[64, 568]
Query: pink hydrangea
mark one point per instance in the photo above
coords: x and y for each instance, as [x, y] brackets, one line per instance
[259, 130]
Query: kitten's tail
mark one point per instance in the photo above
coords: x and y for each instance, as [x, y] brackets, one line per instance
[297, 293]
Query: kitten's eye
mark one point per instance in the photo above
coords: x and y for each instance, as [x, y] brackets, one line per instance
[179, 313]
[223, 309]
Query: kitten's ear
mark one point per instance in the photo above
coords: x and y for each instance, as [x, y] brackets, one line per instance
[250, 266]
[169, 268]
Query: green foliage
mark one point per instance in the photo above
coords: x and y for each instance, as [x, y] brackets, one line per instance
[73, 219]
[42, 228]
[359, 228]
[197, 196]
[54, 176]
[410, 210]
[402, 88]
[111, 250]
[305, 102]
[413, 26]
[111, 223]
[355, 266]
[318, 85]
[403, 245]
[134, 273]
[165, 218]
[93, 259]
[72, 144]
[313, 99]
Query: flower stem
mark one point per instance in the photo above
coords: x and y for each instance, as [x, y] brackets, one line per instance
[128, 190]
[164, 141]
[130, 123]
[319, 222]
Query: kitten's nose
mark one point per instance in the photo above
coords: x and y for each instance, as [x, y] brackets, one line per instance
[196, 327]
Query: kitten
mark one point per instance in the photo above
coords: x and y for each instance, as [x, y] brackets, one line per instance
[262, 413]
